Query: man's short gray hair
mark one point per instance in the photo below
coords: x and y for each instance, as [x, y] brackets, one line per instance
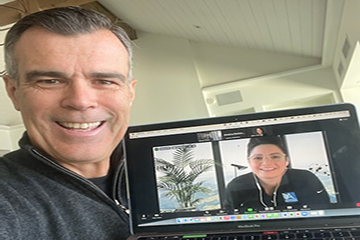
[65, 21]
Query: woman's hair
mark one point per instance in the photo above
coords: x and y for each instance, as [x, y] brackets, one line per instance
[67, 21]
[257, 141]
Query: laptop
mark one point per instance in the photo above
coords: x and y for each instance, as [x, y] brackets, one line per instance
[179, 173]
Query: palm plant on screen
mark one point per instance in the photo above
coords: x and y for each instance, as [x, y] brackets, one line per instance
[179, 176]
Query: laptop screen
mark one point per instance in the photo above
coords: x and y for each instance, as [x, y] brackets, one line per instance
[289, 168]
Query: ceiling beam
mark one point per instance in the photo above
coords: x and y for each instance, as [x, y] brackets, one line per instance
[13, 11]
[45, 4]
[10, 12]
[30, 7]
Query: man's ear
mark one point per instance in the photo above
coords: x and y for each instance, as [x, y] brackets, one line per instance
[132, 90]
[12, 88]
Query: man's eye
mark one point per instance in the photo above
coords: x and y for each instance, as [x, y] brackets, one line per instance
[105, 82]
[48, 81]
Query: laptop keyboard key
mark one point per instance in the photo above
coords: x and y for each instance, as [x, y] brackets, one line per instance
[341, 234]
[219, 238]
[252, 237]
[304, 235]
[269, 237]
[203, 238]
[171, 238]
[235, 238]
[287, 236]
[322, 235]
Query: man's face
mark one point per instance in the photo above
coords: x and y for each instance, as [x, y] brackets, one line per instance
[273, 163]
[73, 94]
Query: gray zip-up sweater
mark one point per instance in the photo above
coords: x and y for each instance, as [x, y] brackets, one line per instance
[40, 199]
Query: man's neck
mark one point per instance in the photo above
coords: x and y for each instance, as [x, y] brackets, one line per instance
[89, 170]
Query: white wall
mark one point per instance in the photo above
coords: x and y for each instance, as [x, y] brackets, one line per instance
[9, 137]
[16, 133]
[170, 71]
[168, 88]
[219, 64]
[352, 95]
[315, 86]
[5, 141]
[350, 29]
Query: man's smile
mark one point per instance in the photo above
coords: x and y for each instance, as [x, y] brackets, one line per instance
[80, 126]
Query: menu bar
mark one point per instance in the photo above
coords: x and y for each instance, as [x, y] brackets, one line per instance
[241, 124]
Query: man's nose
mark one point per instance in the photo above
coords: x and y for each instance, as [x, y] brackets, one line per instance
[79, 96]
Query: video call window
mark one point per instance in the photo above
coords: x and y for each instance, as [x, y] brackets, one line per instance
[301, 156]
[190, 177]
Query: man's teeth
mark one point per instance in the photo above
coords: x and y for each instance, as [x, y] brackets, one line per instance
[81, 125]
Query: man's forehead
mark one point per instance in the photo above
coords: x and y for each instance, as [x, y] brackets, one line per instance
[39, 34]
[39, 38]
[43, 51]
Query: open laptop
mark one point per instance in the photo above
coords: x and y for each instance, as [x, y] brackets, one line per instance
[169, 201]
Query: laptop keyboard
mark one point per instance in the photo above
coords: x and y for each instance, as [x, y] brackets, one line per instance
[328, 234]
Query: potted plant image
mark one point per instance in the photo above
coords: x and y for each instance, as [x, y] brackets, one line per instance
[179, 177]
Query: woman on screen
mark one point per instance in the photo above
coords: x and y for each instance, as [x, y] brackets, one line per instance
[271, 184]
[260, 131]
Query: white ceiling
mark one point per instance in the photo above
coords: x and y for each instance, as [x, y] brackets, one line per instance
[293, 27]
[303, 28]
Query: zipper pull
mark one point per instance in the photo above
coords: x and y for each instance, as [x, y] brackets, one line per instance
[122, 206]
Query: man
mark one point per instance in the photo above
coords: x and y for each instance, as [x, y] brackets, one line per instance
[69, 74]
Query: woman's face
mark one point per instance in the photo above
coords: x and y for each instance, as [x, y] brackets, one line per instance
[268, 162]
[259, 131]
